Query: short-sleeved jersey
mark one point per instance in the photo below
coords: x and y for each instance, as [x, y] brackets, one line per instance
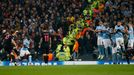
[106, 33]
[131, 33]
[100, 34]
[119, 31]
[46, 36]
[8, 40]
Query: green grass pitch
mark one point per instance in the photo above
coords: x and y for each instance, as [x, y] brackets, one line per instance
[68, 70]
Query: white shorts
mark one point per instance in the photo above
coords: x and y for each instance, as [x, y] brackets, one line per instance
[24, 52]
[99, 41]
[119, 42]
[131, 43]
[106, 42]
[114, 50]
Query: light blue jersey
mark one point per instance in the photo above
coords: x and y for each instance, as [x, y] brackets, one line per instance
[119, 30]
[26, 42]
[100, 34]
[106, 33]
[113, 38]
[130, 33]
[24, 49]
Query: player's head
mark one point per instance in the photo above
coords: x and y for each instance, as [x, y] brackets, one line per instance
[105, 24]
[130, 24]
[119, 23]
[100, 22]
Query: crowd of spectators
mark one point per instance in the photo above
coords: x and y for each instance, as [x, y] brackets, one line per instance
[28, 17]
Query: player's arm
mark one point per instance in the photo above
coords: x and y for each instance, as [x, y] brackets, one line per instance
[50, 42]
[126, 30]
[14, 43]
[114, 31]
[98, 31]
[40, 42]
[123, 30]
[105, 30]
[91, 29]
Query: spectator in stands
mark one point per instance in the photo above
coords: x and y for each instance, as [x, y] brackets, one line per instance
[50, 56]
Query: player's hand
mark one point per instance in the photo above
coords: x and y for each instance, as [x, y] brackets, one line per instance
[39, 46]
[95, 31]
[50, 46]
